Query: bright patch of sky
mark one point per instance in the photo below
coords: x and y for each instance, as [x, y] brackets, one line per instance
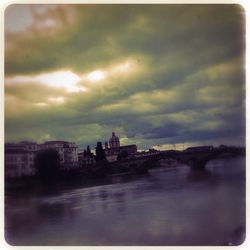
[18, 17]
[59, 79]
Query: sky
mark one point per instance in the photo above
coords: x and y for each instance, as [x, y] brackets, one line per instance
[159, 76]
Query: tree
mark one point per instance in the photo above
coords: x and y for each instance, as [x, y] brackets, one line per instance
[47, 164]
[88, 151]
[99, 151]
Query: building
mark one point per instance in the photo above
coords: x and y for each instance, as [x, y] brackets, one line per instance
[29, 146]
[150, 152]
[114, 150]
[67, 152]
[114, 141]
[20, 157]
[86, 159]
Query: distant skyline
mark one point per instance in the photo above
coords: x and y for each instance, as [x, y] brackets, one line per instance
[157, 75]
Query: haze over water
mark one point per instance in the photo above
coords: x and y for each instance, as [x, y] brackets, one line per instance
[169, 206]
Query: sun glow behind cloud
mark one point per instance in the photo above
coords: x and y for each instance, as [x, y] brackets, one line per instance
[57, 100]
[95, 76]
[64, 79]
[59, 79]
[51, 100]
[41, 104]
[69, 80]
[125, 68]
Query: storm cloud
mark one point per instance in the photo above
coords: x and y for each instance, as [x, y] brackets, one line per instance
[157, 75]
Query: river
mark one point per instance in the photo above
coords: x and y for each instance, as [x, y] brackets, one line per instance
[168, 206]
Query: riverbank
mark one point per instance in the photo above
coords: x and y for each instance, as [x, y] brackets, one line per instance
[87, 177]
[84, 176]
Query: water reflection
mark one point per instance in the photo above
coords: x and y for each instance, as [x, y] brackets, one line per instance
[199, 176]
[52, 211]
[166, 207]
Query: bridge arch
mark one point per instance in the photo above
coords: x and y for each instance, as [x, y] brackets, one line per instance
[196, 161]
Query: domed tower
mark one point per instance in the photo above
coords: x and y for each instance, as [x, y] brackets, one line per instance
[114, 141]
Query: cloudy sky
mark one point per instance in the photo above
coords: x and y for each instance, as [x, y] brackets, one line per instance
[157, 75]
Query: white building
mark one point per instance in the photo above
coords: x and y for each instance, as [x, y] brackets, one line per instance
[20, 157]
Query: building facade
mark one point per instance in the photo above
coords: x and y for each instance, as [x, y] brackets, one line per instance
[86, 160]
[114, 141]
[150, 152]
[114, 150]
[67, 152]
[20, 157]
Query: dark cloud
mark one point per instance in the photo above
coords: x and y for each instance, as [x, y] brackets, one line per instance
[187, 84]
[101, 34]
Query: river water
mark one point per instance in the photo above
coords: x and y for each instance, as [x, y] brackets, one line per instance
[168, 206]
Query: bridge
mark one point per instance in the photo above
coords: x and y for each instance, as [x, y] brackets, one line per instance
[195, 160]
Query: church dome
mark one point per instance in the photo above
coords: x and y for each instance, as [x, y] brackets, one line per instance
[114, 141]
